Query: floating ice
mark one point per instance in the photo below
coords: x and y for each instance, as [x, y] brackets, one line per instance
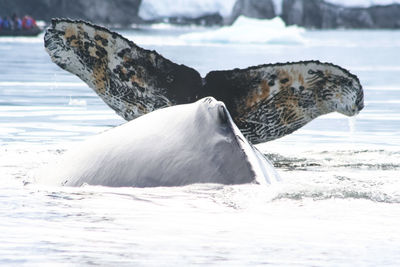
[76, 102]
[248, 30]
[153, 9]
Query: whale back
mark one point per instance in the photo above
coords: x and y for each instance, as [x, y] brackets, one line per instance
[179, 145]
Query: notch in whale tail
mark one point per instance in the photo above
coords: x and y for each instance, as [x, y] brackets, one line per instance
[266, 101]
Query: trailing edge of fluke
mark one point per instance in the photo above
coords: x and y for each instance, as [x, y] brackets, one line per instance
[266, 101]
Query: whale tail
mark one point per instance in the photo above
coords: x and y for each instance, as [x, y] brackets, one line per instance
[266, 101]
[131, 80]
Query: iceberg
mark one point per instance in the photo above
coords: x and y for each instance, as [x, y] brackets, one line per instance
[155, 9]
[248, 30]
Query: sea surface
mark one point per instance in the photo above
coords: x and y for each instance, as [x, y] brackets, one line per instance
[338, 203]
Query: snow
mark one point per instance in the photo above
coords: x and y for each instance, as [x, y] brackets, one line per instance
[248, 30]
[153, 9]
[362, 3]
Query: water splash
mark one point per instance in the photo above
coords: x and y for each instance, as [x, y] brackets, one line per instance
[352, 132]
[352, 125]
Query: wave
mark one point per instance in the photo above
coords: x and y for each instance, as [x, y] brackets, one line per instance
[42, 84]
[77, 102]
[343, 193]
[383, 88]
[35, 39]
[375, 68]
[247, 30]
[369, 174]
[347, 175]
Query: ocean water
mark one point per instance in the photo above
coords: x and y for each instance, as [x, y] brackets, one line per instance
[338, 203]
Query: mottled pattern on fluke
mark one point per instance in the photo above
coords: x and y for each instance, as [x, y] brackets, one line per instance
[131, 80]
[266, 101]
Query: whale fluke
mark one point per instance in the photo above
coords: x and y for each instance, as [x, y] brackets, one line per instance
[266, 101]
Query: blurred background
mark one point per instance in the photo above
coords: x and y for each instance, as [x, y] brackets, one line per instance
[316, 14]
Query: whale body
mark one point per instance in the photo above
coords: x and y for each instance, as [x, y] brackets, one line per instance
[174, 146]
